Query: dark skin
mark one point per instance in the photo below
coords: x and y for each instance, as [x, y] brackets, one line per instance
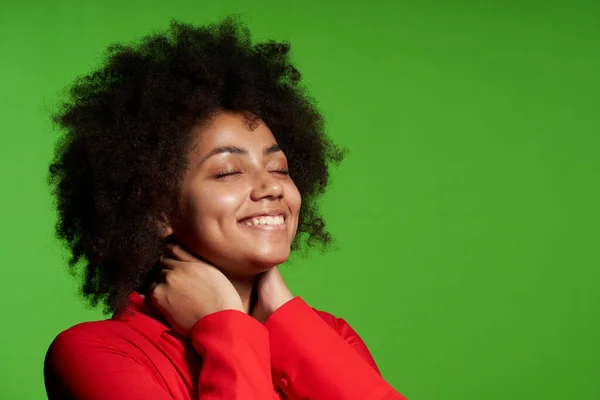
[128, 126]
[228, 246]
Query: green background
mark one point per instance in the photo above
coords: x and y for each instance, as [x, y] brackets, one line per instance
[466, 213]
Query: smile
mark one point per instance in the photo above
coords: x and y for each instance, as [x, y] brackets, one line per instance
[267, 222]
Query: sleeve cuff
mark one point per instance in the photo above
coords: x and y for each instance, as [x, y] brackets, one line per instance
[230, 328]
[236, 356]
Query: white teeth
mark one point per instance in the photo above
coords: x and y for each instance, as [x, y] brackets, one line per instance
[268, 220]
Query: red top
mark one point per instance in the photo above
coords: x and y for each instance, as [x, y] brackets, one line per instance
[299, 353]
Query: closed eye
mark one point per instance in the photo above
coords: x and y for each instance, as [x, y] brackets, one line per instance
[226, 173]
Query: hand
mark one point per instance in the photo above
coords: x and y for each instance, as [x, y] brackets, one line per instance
[191, 289]
[272, 293]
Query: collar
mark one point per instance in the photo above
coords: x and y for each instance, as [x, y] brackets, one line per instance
[142, 316]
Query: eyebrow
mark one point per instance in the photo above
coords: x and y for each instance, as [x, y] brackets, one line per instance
[274, 148]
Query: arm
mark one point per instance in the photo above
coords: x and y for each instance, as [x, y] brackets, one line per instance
[309, 359]
[354, 340]
[236, 364]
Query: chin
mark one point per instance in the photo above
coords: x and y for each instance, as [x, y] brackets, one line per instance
[270, 258]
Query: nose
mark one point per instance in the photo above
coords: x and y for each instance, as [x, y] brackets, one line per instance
[265, 184]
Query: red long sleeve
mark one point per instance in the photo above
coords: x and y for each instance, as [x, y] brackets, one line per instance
[309, 359]
[299, 353]
[234, 349]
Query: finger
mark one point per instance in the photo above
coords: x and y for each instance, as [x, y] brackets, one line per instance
[158, 285]
[169, 263]
[163, 275]
[155, 291]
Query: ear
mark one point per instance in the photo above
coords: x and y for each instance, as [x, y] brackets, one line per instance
[167, 231]
[165, 225]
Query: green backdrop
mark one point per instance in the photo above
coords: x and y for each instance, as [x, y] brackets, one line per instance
[466, 213]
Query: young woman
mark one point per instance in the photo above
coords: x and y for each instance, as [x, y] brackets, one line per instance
[189, 169]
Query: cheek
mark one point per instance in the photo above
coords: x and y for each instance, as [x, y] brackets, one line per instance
[224, 203]
[294, 202]
[207, 207]
[294, 198]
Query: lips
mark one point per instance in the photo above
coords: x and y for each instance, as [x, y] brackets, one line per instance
[266, 213]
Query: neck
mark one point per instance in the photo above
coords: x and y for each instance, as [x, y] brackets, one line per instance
[247, 292]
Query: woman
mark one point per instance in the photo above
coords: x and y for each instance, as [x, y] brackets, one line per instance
[189, 170]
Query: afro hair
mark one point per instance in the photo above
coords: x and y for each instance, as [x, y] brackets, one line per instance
[118, 163]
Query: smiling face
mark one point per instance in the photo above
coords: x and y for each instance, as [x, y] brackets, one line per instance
[238, 207]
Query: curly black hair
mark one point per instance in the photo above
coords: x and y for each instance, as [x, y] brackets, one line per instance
[118, 165]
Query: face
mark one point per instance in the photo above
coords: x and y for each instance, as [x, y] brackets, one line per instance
[238, 206]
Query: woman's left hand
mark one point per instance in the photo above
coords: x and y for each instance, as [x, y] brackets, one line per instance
[272, 293]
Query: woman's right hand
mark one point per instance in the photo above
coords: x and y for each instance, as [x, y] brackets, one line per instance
[190, 289]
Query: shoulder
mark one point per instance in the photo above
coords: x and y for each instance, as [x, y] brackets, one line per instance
[73, 349]
[105, 331]
[75, 339]
[88, 339]
[84, 357]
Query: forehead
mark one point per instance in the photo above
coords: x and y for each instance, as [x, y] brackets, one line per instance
[233, 129]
